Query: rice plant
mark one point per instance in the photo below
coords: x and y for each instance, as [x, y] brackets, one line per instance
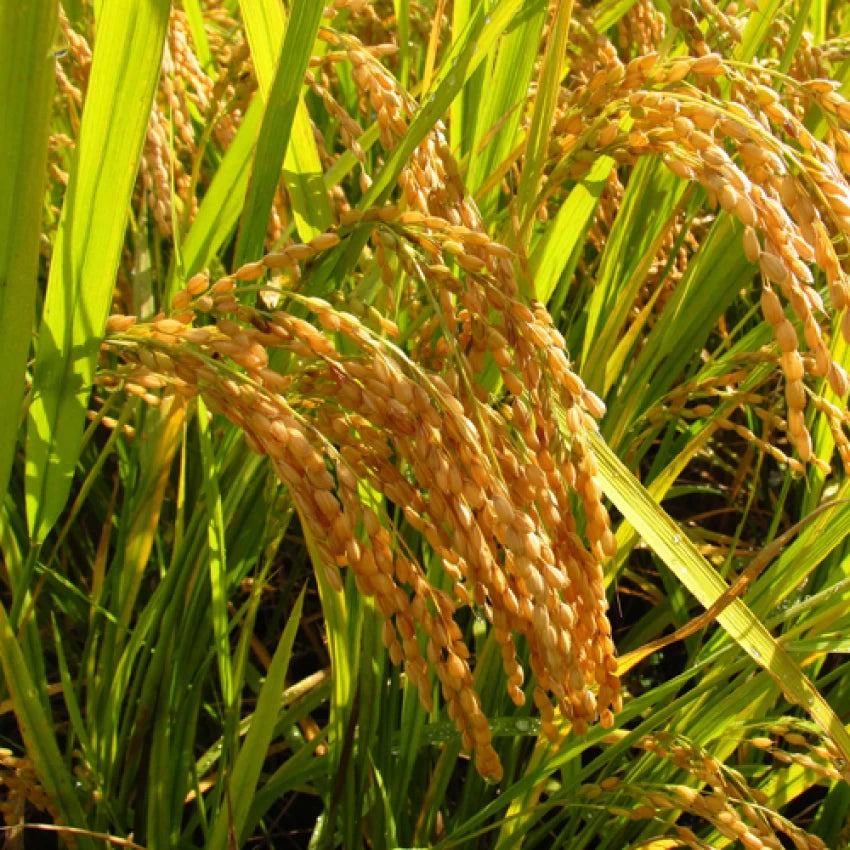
[426, 423]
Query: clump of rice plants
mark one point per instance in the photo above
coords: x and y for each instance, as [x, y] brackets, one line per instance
[434, 431]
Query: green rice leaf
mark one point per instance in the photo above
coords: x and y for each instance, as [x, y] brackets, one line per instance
[608, 12]
[217, 556]
[507, 92]
[650, 198]
[302, 169]
[281, 104]
[37, 730]
[557, 251]
[800, 19]
[817, 20]
[541, 120]
[220, 209]
[125, 69]
[402, 16]
[26, 75]
[249, 763]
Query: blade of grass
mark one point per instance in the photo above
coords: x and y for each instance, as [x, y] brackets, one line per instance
[124, 73]
[608, 12]
[265, 22]
[506, 92]
[264, 25]
[822, 437]
[37, 731]
[343, 616]
[557, 251]
[219, 210]
[74, 10]
[223, 202]
[158, 723]
[736, 589]
[281, 103]
[801, 16]
[252, 754]
[541, 121]
[651, 198]
[402, 16]
[217, 557]
[26, 77]
[69, 693]
[431, 51]
[825, 534]
[462, 114]
[303, 769]
[163, 434]
[714, 277]
[817, 20]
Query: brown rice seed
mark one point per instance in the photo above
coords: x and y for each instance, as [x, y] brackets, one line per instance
[838, 379]
[773, 268]
[786, 335]
[752, 248]
[795, 394]
[792, 365]
[771, 306]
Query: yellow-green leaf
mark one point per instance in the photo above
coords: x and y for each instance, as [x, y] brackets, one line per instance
[26, 76]
[125, 69]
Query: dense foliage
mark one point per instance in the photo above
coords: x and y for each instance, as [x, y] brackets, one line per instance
[437, 437]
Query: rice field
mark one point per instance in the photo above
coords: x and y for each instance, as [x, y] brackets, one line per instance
[425, 424]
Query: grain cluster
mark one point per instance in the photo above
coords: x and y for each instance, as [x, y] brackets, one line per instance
[714, 793]
[21, 791]
[491, 487]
